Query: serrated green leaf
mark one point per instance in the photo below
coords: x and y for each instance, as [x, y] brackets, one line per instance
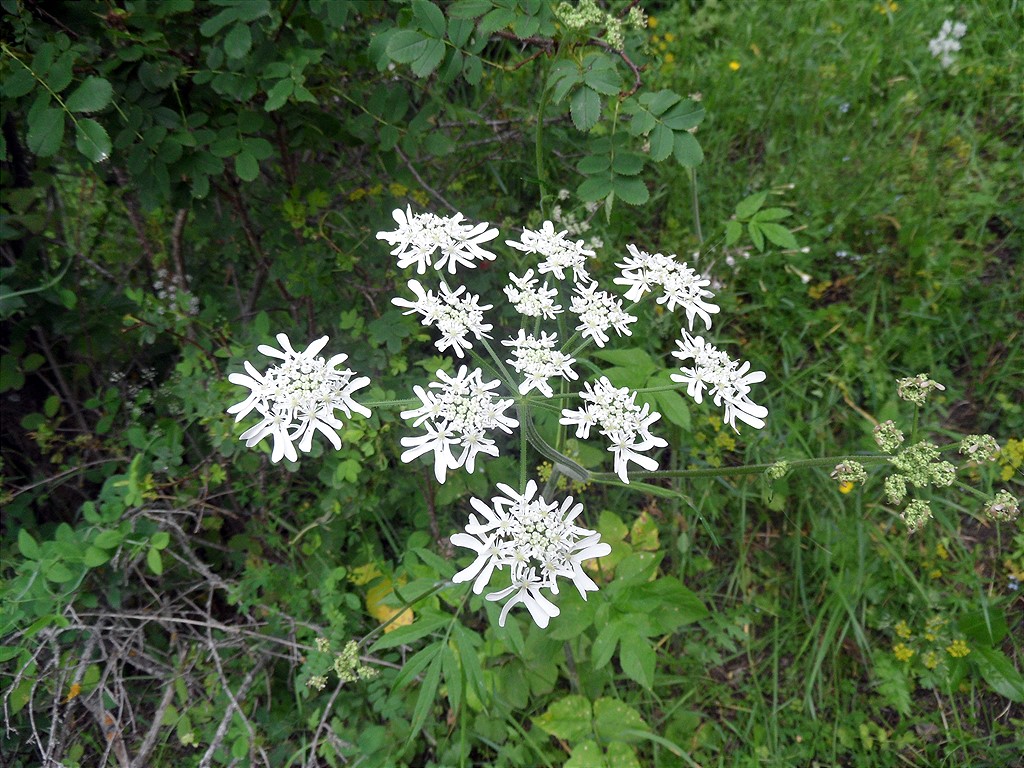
[18, 83]
[673, 407]
[586, 754]
[659, 101]
[246, 166]
[430, 16]
[773, 214]
[91, 140]
[473, 70]
[45, 131]
[27, 545]
[278, 94]
[95, 557]
[406, 46]
[238, 42]
[568, 718]
[603, 649]
[215, 24]
[662, 141]
[756, 235]
[91, 96]
[631, 189]
[999, 672]
[637, 659]
[748, 206]
[494, 20]
[155, 561]
[628, 163]
[602, 76]
[585, 108]
[643, 122]
[621, 755]
[634, 358]
[591, 164]
[614, 720]
[429, 59]
[687, 150]
[733, 232]
[683, 116]
[452, 677]
[777, 234]
[469, 9]
[594, 188]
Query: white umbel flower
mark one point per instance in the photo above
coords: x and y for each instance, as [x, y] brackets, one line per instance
[947, 42]
[457, 413]
[598, 311]
[297, 397]
[539, 361]
[680, 284]
[537, 540]
[727, 380]
[559, 254]
[627, 425]
[420, 235]
[530, 300]
[456, 314]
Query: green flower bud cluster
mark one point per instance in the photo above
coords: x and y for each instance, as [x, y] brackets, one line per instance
[888, 436]
[980, 447]
[919, 465]
[849, 472]
[348, 667]
[915, 389]
[777, 471]
[916, 514]
[586, 13]
[1003, 507]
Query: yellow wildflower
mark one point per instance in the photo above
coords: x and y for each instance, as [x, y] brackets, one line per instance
[652, 22]
[845, 487]
[931, 659]
[941, 552]
[957, 649]
[902, 652]
[903, 629]
[73, 691]
[734, 65]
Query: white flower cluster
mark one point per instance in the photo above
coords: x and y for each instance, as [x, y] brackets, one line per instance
[727, 381]
[531, 301]
[681, 285]
[947, 42]
[621, 420]
[598, 311]
[539, 360]
[559, 254]
[419, 235]
[454, 317]
[297, 397]
[537, 540]
[457, 412]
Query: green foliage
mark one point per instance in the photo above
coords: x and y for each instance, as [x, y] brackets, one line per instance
[181, 180]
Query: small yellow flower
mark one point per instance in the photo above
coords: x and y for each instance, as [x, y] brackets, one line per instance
[941, 552]
[670, 57]
[902, 652]
[957, 649]
[670, 37]
[935, 573]
[845, 487]
[652, 22]
[931, 659]
[903, 629]
[734, 65]
[73, 691]
[356, 194]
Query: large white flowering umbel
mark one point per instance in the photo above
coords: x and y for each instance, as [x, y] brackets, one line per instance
[297, 398]
[537, 540]
[533, 540]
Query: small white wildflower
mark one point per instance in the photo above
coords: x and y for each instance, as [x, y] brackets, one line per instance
[598, 311]
[297, 397]
[727, 381]
[627, 425]
[530, 300]
[537, 540]
[559, 254]
[539, 361]
[457, 413]
[456, 314]
[947, 42]
[419, 235]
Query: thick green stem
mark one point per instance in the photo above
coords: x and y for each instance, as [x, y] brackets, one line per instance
[748, 469]
[695, 200]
